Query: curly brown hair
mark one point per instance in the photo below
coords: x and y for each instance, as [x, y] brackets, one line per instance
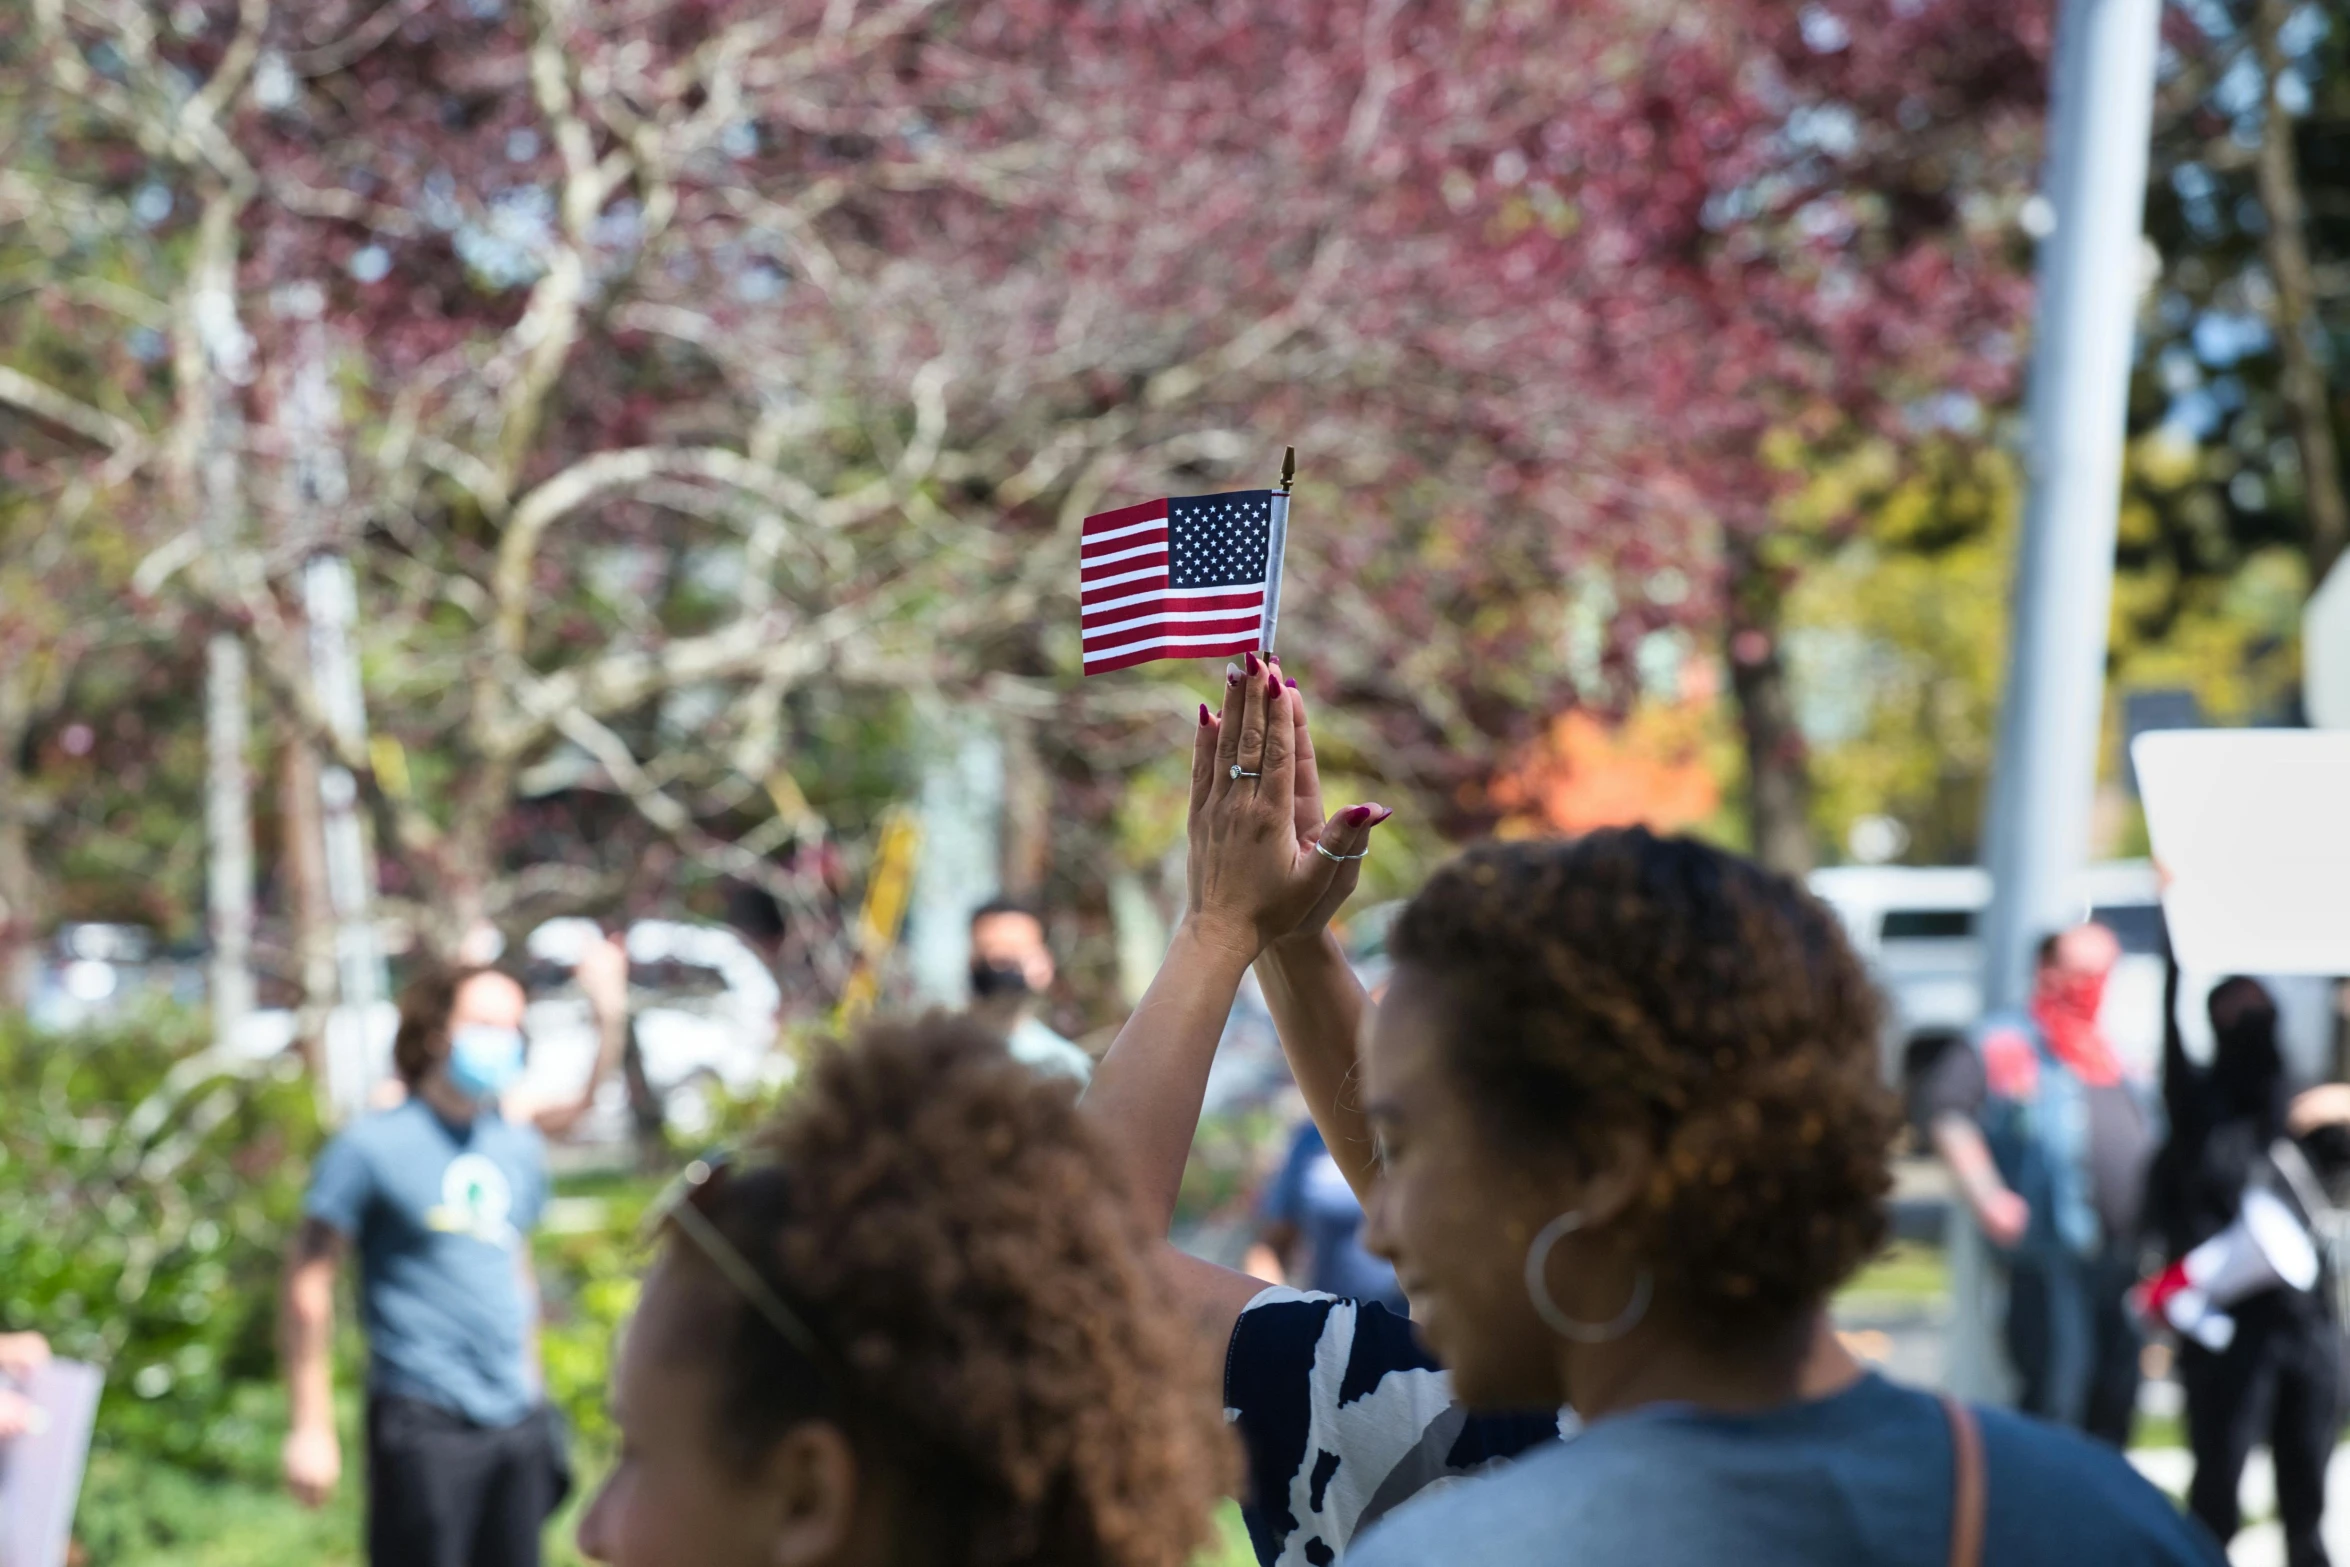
[1624, 980]
[996, 1332]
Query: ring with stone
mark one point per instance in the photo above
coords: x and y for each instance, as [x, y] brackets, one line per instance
[1239, 771]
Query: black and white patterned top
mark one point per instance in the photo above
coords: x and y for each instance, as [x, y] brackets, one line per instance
[1343, 1417]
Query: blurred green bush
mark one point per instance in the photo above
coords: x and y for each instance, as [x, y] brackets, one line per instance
[151, 1185]
[147, 1191]
[588, 1260]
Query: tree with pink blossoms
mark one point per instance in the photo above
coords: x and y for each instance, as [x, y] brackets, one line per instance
[674, 375]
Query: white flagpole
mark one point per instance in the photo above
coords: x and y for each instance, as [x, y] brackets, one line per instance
[1276, 547]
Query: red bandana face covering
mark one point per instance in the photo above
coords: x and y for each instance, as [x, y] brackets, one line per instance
[2065, 1006]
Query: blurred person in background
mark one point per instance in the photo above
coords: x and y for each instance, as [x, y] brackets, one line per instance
[438, 1195]
[919, 1324]
[2048, 1140]
[1312, 1225]
[22, 1355]
[1011, 973]
[753, 914]
[2278, 1377]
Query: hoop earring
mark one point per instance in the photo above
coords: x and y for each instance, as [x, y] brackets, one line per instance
[1538, 1290]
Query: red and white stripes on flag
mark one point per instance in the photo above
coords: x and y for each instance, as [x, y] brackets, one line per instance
[1182, 578]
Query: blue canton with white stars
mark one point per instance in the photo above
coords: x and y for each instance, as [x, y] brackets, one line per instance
[1219, 541]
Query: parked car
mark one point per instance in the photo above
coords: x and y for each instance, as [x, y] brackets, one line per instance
[1918, 929]
[703, 1008]
[93, 974]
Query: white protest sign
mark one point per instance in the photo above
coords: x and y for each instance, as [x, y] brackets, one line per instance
[41, 1471]
[2325, 651]
[2251, 830]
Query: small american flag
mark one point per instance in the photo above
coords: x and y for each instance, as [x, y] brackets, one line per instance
[1181, 578]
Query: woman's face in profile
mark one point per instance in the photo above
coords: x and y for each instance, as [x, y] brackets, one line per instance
[1452, 1212]
[677, 1496]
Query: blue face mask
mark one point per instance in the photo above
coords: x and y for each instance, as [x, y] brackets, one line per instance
[484, 1061]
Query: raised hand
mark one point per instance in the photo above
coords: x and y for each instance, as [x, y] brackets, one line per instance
[22, 1354]
[1312, 829]
[602, 973]
[1264, 865]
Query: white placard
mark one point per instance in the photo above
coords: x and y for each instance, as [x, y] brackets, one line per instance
[41, 1471]
[2325, 651]
[2251, 831]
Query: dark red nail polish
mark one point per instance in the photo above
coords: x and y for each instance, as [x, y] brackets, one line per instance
[1272, 687]
[1203, 715]
[1255, 665]
[1291, 684]
[1355, 815]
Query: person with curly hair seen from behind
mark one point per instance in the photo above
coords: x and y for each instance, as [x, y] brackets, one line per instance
[921, 1325]
[1632, 1138]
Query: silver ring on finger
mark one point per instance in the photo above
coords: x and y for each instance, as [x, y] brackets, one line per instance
[1239, 771]
[1342, 858]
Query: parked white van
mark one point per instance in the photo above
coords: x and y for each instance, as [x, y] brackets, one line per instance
[1918, 929]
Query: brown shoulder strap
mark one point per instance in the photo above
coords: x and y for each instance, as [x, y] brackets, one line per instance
[1966, 1489]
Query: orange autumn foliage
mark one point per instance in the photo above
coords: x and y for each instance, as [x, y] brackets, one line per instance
[1649, 770]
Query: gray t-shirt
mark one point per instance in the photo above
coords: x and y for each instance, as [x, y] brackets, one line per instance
[1861, 1479]
[439, 1214]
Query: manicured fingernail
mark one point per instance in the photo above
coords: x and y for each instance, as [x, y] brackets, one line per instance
[1232, 674]
[1255, 667]
[1272, 658]
[1272, 687]
[1384, 813]
[1203, 715]
[1291, 684]
[1355, 815]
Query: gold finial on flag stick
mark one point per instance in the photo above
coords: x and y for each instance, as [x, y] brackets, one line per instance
[1277, 546]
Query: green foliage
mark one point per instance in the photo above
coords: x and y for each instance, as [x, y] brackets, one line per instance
[156, 1515]
[138, 1510]
[588, 1261]
[152, 1189]
[1898, 637]
[1229, 1156]
[1231, 1548]
[1898, 631]
[152, 1186]
[1906, 1271]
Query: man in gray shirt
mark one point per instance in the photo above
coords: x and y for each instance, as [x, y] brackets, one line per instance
[2048, 1137]
[438, 1194]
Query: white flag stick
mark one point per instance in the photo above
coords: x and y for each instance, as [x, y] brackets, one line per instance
[1276, 547]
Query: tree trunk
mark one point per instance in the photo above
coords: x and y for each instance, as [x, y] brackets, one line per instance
[1778, 772]
[2286, 250]
[303, 849]
[214, 359]
[460, 908]
[1028, 811]
[228, 817]
[20, 889]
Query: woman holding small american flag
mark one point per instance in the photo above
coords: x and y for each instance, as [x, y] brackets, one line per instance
[1618, 1127]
